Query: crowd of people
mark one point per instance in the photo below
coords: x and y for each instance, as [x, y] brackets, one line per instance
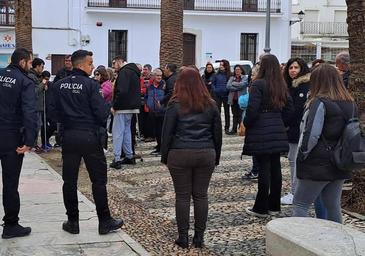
[290, 110]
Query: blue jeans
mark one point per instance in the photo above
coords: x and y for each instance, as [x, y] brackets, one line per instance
[307, 191]
[321, 212]
[122, 136]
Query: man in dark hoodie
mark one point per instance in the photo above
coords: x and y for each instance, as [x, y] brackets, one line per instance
[126, 103]
[35, 73]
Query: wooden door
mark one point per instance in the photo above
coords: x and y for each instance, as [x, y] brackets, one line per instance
[189, 49]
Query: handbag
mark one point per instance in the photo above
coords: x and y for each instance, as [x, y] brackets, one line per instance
[243, 100]
[242, 129]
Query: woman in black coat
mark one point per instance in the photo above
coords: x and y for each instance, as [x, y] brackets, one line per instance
[297, 76]
[330, 106]
[208, 77]
[191, 148]
[269, 108]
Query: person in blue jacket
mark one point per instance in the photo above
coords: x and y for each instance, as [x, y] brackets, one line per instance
[155, 94]
[18, 132]
[221, 92]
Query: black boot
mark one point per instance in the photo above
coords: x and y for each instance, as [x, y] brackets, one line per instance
[182, 241]
[106, 226]
[198, 239]
[16, 230]
[126, 160]
[116, 164]
[71, 226]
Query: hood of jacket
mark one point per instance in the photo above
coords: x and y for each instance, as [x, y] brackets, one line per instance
[34, 76]
[301, 80]
[131, 67]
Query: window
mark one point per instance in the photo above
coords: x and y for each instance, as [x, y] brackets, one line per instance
[57, 63]
[248, 47]
[117, 44]
[7, 12]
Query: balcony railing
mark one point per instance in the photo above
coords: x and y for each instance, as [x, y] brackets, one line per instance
[199, 5]
[324, 28]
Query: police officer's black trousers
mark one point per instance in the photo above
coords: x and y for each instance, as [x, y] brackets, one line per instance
[11, 164]
[79, 144]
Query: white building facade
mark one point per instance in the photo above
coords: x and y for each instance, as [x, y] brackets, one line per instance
[230, 29]
[323, 31]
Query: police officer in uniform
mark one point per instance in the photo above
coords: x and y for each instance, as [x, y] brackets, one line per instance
[18, 132]
[82, 111]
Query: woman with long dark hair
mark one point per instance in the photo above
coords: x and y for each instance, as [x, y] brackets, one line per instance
[268, 111]
[329, 108]
[221, 92]
[297, 76]
[191, 148]
[208, 77]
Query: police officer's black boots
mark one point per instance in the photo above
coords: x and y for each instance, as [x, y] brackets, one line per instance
[71, 227]
[15, 230]
[106, 226]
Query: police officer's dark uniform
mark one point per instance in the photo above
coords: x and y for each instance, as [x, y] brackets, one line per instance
[18, 127]
[82, 111]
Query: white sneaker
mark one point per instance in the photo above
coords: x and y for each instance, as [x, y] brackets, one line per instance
[287, 199]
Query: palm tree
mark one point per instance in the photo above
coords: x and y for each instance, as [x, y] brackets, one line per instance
[23, 24]
[171, 26]
[356, 24]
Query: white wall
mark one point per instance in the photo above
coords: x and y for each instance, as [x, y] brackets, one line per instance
[59, 24]
[143, 36]
[56, 27]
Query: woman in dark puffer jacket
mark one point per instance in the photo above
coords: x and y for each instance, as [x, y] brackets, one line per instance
[297, 76]
[269, 108]
[221, 92]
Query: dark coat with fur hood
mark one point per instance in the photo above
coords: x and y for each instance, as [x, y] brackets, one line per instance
[299, 92]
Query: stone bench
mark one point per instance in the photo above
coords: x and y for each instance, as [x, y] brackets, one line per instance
[309, 236]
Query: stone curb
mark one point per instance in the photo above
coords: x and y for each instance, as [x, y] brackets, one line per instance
[354, 214]
[134, 245]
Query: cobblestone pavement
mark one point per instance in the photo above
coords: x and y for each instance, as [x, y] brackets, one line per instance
[143, 195]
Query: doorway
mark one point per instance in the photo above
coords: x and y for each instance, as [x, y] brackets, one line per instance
[189, 49]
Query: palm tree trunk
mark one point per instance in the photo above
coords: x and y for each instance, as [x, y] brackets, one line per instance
[171, 45]
[356, 24]
[23, 24]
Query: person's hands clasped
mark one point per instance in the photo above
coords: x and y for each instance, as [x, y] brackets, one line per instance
[23, 149]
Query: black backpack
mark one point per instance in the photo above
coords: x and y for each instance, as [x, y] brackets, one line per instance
[349, 152]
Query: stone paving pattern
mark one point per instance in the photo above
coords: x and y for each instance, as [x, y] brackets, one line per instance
[42, 209]
[147, 189]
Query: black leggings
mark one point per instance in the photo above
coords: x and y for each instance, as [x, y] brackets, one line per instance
[269, 184]
[191, 170]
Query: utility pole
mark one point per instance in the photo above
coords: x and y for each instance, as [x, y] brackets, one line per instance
[267, 48]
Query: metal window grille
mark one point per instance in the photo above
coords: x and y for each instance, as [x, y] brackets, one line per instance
[248, 47]
[7, 12]
[117, 44]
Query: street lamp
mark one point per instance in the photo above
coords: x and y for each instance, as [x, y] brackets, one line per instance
[301, 15]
